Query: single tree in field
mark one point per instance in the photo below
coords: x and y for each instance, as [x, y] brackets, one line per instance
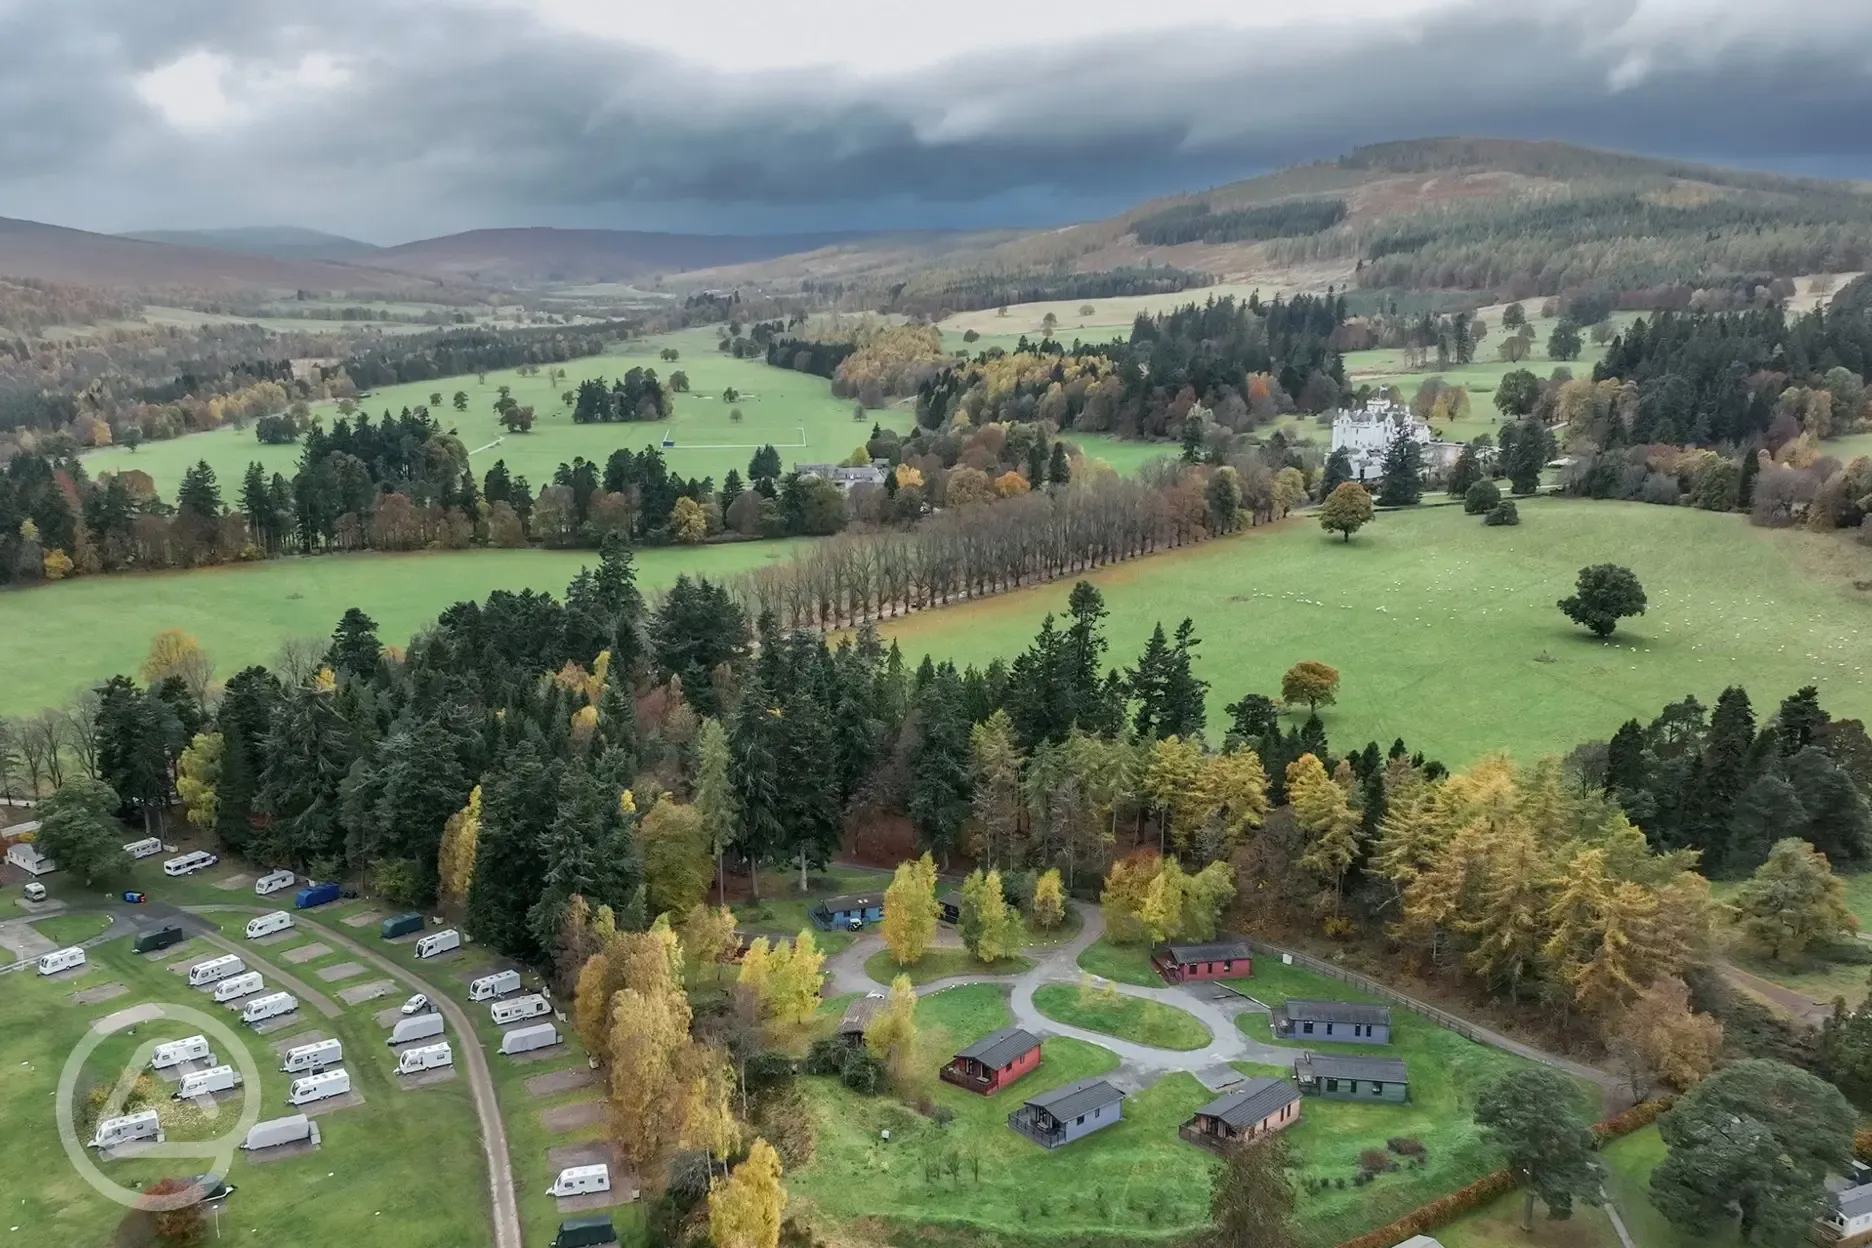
[1048, 324]
[1514, 316]
[1533, 1116]
[435, 398]
[1311, 682]
[1517, 392]
[1604, 594]
[910, 910]
[460, 401]
[1049, 900]
[1792, 901]
[1565, 342]
[1750, 1148]
[1348, 509]
[1481, 498]
[1251, 1198]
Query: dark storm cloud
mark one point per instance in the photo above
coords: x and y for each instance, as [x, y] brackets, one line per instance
[458, 116]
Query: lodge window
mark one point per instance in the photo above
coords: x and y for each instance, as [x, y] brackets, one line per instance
[1079, 1121]
[1307, 1028]
[1332, 1085]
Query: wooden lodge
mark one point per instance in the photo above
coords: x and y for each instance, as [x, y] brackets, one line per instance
[994, 1061]
[857, 1017]
[1221, 959]
[1352, 1078]
[848, 911]
[1342, 1022]
[1068, 1113]
[1245, 1112]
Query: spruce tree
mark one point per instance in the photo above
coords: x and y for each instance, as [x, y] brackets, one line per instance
[1403, 473]
[355, 648]
[1338, 469]
[1184, 711]
[940, 787]
[519, 806]
[199, 495]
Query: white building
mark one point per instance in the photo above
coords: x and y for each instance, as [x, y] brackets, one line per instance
[844, 475]
[26, 856]
[1852, 1212]
[1366, 435]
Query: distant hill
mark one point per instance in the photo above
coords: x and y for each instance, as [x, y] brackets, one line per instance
[1511, 217]
[53, 253]
[286, 242]
[542, 256]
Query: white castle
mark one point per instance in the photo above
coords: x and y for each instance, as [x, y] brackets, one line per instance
[1365, 434]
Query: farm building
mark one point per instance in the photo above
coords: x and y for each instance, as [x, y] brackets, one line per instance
[1252, 1109]
[850, 910]
[1352, 1078]
[1067, 1113]
[949, 906]
[1222, 959]
[1343, 1022]
[1851, 1215]
[994, 1061]
[857, 1017]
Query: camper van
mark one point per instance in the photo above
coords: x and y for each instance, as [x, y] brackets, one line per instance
[438, 942]
[148, 847]
[427, 1057]
[116, 1132]
[189, 864]
[526, 1039]
[244, 985]
[490, 986]
[313, 1057]
[202, 1082]
[61, 960]
[319, 1087]
[530, 1006]
[214, 970]
[175, 1052]
[267, 924]
[272, 1005]
[274, 882]
[578, 1180]
[292, 1129]
[418, 1027]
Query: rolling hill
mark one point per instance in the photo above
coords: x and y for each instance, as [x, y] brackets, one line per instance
[287, 242]
[542, 256]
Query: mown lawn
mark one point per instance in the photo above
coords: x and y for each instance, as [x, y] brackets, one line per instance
[942, 962]
[782, 912]
[1128, 964]
[69, 929]
[1629, 1163]
[964, 1013]
[1128, 1018]
[1445, 632]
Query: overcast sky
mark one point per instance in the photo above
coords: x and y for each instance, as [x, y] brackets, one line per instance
[395, 119]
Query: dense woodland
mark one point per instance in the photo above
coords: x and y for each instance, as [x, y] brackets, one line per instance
[1200, 223]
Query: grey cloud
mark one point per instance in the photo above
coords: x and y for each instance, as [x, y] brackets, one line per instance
[463, 116]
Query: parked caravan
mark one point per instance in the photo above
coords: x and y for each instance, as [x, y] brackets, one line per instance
[417, 1027]
[316, 895]
[156, 938]
[244, 985]
[313, 1057]
[189, 864]
[202, 1082]
[116, 1132]
[319, 1087]
[585, 1232]
[292, 1129]
[267, 924]
[61, 960]
[175, 1052]
[400, 925]
[490, 986]
[148, 847]
[425, 1057]
[273, 882]
[578, 1180]
[526, 1039]
[272, 1005]
[438, 942]
[215, 970]
[533, 1005]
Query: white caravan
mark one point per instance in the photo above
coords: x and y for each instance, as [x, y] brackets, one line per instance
[578, 1180]
[116, 1132]
[319, 1087]
[273, 881]
[530, 1006]
[490, 986]
[526, 1039]
[417, 1027]
[272, 1005]
[175, 1052]
[310, 1057]
[438, 942]
[267, 924]
[148, 847]
[202, 1082]
[214, 970]
[291, 1129]
[61, 960]
[239, 986]
[425, 1057]
[189, 864]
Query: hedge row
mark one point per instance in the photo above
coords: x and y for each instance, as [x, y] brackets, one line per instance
[1446, 1209]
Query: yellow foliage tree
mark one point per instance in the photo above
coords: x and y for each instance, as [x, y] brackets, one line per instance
[1330, 823]
[198, 772]
[1659, 1039]
[747, 1209]
[1011, 484]
[1174, 779]
[677, 863]
[1122, 900]
[990, 928]
[908, 478]
[1049, 900]
[910, 910]
[794, 987]
[1290, 490]
[456, 859]
[584, 724]
[893, 1029]
[591, 1013]
[56, 564]
[173, 652]
[708, 932]
[688, 522]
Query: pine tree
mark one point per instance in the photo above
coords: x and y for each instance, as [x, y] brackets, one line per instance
[1466, 472]
[1403, 473]
[1338, 470]
[755, 747]
[1147, 683]
[355, 648]
[714, 794]
[940, 789]
[519, 807]
[1183, 711]
[199, 495]
[1059, 470]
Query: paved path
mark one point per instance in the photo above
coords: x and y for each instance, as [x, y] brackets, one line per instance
[305, 992]
[1803, 1007]
[506, 1209]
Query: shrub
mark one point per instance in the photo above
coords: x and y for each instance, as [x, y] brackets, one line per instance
[1406, 1145]
[1374, 1161]
[1502, 513]
[863, 1073]
[767, 1068]
[826, 1056]
[941, 1115]
[1482, 496]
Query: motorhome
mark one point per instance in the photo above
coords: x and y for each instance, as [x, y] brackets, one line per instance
[322, 1086]
[312, 1057]
[214, 970]
[116, 1132]
[292, 1129]
[175, 1052]
[490, 986]
[526, 1039]
[189, 864]
[416, 1027]
[274, 882]
[244, 985]
[425, 1057]
[578, 1180]
[533, 1005]
[148, 847]
[438, 942]
[267, 924]
[203, 1082]
[272, 1005]
[61, 960]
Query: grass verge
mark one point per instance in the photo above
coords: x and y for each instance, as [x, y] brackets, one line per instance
[1129, 1018]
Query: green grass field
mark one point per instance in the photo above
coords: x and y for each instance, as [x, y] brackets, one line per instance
[782, 912]
[69, 929]
[1128, 964]
[241, 612]
[1445, 632]
[942, 962]
[1629, 1163]
[1128, 1018]
[404, 1168]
